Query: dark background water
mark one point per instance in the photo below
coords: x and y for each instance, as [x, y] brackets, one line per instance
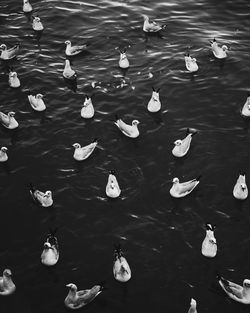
[161, 237]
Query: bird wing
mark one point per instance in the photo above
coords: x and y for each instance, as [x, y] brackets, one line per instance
[77, 49]
[231, 288]
[13, 51]
[4, 118]
[125, 128]
[187, 186]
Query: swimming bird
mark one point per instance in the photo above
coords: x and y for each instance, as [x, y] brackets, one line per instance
[154, 104]
[121, 269]
[112, 188]
[87, 110]
[128, 130]
[14, 81]
[3, 154]
[219, 52]
[209, 244]
[240, 190]
[50, 253]
[179, 190]
[8, 120]
[245, 111]
[191, 63]
[193, 305]
[77, 299]
[182, 146]
[68, 73]
[7, 287]
[27, 7]
[42, 198]
[8, 54]
[73, 50]
[123, 61]
[37, 102]
[82, 153]
[234, 291]
[37, 24]
[152, 27]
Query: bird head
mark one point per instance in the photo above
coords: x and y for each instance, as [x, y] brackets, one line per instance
[47, 245]
[67, 42]
[7, 272]
[13, 74]
[193, 302]
[135, 122]
[11, 114]
[175, 180]
[48, 193]
[178, 142]
[246, 283]
[36, 19]
[3, 47]
[71, 286]
[224, 48]
[39, 96]
[76, 145]
[4, 149]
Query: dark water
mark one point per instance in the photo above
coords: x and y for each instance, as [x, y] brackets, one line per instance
[161, 237]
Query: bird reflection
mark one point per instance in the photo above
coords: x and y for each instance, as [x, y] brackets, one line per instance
[157, 117]
[71, 84]
[6, 167]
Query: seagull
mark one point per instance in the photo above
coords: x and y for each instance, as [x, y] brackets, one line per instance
[3, 154]
[68, 73]
[182, 146]
[73, 50]
[27, 7]
[179, 190]
[219, 52]
[37, 24]
[82, 153]
[152, 27]
[77, 299]
[209, 244]
[245, 111]
[14, 81]
[7, 287]
[193, 305]
[240, 190]
[154, 104]
[37, 102]
[190, 63]
[112, 188]
[50, 254]
[8, 54]
[123, 62]
[128, 130]
[121, 269]
[234, 291]
[8, 121]
[42, 198]
[87, 110]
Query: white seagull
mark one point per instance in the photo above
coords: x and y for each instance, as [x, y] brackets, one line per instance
[7, 287]
[209, 244]
[152, 26]
[112, 188]
[191, 63]
[27, 7]
[82, 153]
[14, 81]
[245, 111]
[240, 190]
[121, 269]
[182, 146]
[123, 61]
[8, 54]
[219, 52]
[87, 111]
[37, 24]
[8, 121]
[193, 305]
[50, 253]
[179, 190]
[68, 73]
[154, 104]
[73, 50]
[42, 198]
[77, 299]
[128, 130]
[3, 154]
[37, 102]
[234, 291]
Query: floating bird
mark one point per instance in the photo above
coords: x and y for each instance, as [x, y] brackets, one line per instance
[234, 291]
[14, 81]
[154, 104]
[128, 130]
[240, 190]
[77, 299]
[68, 73]
[209, 244]
[8, 121]
[37, 24]
[42, 198]
[8, 54]
[112, 188]
[219, 52]
[82, 153]
[182, 146]
[37, 102]
[7, 287]
[123, 62]
[190, 63]
[245, 111]
[193, 305]
[121, 269]
[27, 7]
[179, 190]
[73, 50]
[50, 254]
[87, 110]
[152, 27]
[3, 154]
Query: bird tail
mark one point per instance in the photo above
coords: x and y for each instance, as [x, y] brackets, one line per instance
[118, 250]
[164, 26]
[189, 132]
[102, 285]
[210, 226]
[243, 173]
[198, 178]
[96, 140]
[32, 188]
